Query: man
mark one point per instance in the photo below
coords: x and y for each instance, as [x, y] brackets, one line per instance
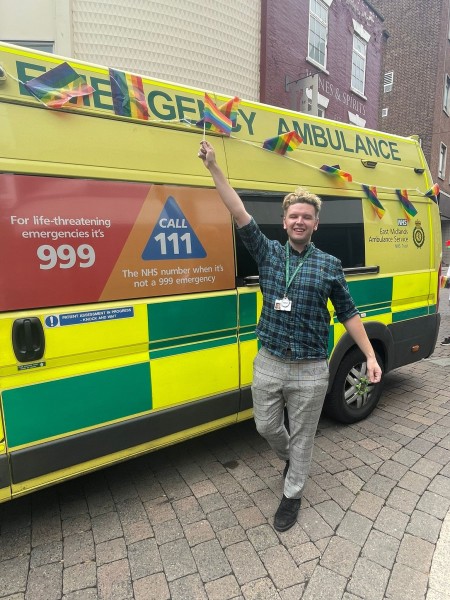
[291, 367]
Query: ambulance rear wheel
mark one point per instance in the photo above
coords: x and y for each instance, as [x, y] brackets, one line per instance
[352, 396]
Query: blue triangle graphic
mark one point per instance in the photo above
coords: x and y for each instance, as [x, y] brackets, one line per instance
[173, 237]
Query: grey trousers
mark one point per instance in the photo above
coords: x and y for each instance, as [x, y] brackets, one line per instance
[300, 385]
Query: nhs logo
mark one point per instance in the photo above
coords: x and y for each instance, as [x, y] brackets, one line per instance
[402, 222]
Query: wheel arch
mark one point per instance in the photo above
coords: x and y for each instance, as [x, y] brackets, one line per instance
[381, 340]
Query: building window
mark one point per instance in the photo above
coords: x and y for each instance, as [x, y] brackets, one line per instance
[388, 81]
[33, 45]
[359, 64]
[442, 161]
[384, 112]
[318, 32]
[356, 119]
[447, 95]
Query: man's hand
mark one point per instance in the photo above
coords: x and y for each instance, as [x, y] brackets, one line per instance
[207, 154]
[373, 370]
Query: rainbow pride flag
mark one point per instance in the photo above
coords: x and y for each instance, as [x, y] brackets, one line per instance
[433, 193]
[286, 142]
[337, 172]
[57, 86]
[229, 109]
[408, 206]
[371, 193]
[212, 114]
[128, 95]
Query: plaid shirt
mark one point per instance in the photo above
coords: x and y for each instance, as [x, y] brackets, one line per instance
[305, 329]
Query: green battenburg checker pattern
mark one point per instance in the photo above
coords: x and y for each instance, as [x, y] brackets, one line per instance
[174, 327]
[177, 327]
[75, 403]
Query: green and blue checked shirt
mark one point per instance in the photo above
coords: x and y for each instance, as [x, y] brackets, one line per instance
[304, 330]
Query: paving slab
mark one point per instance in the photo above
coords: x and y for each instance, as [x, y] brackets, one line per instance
[196, 520]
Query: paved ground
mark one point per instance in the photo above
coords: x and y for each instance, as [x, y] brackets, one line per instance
[194, 521]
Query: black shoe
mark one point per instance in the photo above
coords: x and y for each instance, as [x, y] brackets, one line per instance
[286, 469]
[445, 341]
[287, 512]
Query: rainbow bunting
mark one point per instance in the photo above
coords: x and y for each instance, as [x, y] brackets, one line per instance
[211, 114]
[57, 86]
[128, 95]
[371, 193]
[336, 171]
[286, 142]
[408, 206]
[229, 109]
[433, 193]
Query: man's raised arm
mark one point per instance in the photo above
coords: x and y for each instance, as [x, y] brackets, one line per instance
[228, 195]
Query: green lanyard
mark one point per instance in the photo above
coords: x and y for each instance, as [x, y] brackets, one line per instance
[299, 266]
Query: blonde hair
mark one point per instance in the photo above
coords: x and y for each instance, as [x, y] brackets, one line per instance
[302, 196]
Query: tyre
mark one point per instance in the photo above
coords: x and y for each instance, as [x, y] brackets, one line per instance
[352, 397]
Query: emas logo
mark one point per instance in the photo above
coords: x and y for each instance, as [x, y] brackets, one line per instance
[418, 234]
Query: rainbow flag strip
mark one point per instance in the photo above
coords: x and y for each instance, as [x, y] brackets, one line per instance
[336, 171]
[128, 95]
[408, 206]
[371, 193]
[229, 109]
[211, 114]
[286, 142]
[57, 86]
[433, 193]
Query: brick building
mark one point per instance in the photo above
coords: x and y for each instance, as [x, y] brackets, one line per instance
[257, 49]
[339, 42]
[415, 98]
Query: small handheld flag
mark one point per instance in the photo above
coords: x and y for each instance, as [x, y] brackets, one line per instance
[286, 142]
[336, 171]
[229, 109]
[57, 86]
[408, 206]
[211, 114]
[371, 193]
[128, 95]
[433, 193]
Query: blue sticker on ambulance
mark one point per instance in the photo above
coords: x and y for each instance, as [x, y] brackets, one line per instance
[173, 237]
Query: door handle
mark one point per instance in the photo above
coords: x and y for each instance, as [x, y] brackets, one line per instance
[28, 339]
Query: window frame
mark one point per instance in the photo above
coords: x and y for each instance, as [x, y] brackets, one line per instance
[361, 57]
[388, 81]
[340, 232]
[39, 45]
[446, 99]
[324, 4]
[442, 161]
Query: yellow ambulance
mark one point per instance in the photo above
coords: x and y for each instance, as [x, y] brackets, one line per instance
[128, 304]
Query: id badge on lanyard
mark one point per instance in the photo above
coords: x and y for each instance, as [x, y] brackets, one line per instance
[284, 303]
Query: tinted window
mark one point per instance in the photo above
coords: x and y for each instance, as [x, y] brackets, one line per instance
[340, 232]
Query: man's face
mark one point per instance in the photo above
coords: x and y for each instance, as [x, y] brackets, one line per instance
[300, 222]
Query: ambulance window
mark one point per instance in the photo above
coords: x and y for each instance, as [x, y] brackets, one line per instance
[340, 232]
